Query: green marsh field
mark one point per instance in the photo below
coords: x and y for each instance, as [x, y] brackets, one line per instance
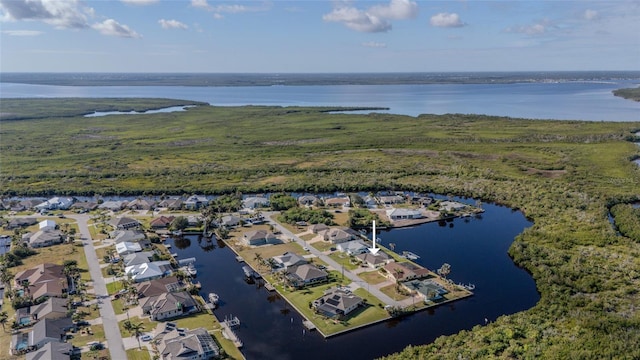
[564, 175]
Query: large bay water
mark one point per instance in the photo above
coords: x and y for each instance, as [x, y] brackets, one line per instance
[476, 249]
[570, 100]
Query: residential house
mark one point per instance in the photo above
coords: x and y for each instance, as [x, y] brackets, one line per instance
[255, 202]
[137, 258]
[259, 237]
[52, 308]
[339, 235]
[391, 199]
[404, 214]
[25, 204]
[399, 272]
[354, 247]
[370, 202]
[158, 286]
[288, 260]
[338, 201]
[5, 244]
[52, 350]
[308, 200]
[141, 204]
[169, 305]
[20, 223]
[450, 206]
[318, 228]
[230, 221]
[113, 205]
[124, 223]
[126, 248]
[421, 200]
[195, 202]
[47, 225]
[188, 344]
[43, 280]
[56, 203]
[85, 206]
[49, 330]
[148, 271]
[161, 222]
[429, 289]
[171, 203]
[375, 261]
[337, 302]
[119, 236]
[306, 274]
[45, 238]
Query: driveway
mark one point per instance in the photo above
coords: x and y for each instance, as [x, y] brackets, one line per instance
[109, 321]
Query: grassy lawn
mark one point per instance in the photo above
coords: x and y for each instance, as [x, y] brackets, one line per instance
[147, 325]
[393, 293]
[95, 333]
[307, 237]
[266, 252]
[138, 354]
[96, 354]
[372, 277]
[344, 260]
[322, 245]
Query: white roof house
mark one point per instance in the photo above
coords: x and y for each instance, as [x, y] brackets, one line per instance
[47, 225]
[126, 247]
[56, 203]
[354, 247]
[288, 260]
[403, 214]
[148, 271]
[196, 201]
[255, 202]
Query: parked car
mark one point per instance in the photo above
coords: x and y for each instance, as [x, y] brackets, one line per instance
[145, 337]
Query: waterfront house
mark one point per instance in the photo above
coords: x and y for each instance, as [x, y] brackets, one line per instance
[391, 199]
[113, 205]
[126, 248]
[259, 237]
[161, 222]
[375, 261]
[451, 206]
[124, 223]
[141, 204]
[169, 305]
[44, 238]
[44, 280]
[148, 271]
[354, 247]
[403, 214]
[318, 228]
[195, 202]
[26, 204]
[187, 344]
[52, 350]
[84, 206]
[171, 204]
[428, 289]
[56, 203]
[288, 260]
[255, 202]
[308, 200]
[338, 201]
[158, 286]
[230, 221]
[137, 258]
[47, 225]
[119, 236]
[20, 223]
[337, 302]
[306, 274]
[370, 202]
[339, 235]
[399, 272]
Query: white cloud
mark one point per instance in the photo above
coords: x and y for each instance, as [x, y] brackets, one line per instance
[63, 14]
[230, 8]
[533, 29]
[373, 44]
[201, 4]
[448, 20]
[139, 2]
[358, 20]
[172, 24]
[218, 16]
[113, 28]
[590, 14]
[396, 10]
[22, 32]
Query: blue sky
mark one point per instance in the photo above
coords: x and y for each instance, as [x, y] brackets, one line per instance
[317, 36]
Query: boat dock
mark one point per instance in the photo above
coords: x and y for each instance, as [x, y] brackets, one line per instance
[239, 259]
[229, 334]
[187, 261]
[309, 325]
[269, 287]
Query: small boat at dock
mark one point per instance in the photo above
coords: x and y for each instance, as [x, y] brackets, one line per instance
[214, 299]
[409, 255]
[191, 270]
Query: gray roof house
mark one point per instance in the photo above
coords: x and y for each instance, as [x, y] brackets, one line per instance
[148, 271]
[21, 222]
[52, 351]
[126, 248]
[56, 203]
[127, 235]
[306, 274]
[259, 237]
[53, 308]
[308, 200]
[195, 202]
[137, 258]
[141, 204]
[230, 221]
[44, 238]
[113, 205]
[337, 302]
[171, 203]
[375, 261]
[188, 344]
[288, 260]
[353, 247]
[337, 235]
[124, 223]
[255, 202]
[169, 305]
[403, 214]
[49, 330]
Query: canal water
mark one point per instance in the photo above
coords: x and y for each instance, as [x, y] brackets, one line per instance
[476, 249]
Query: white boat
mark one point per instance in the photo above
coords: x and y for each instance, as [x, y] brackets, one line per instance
[191, 270]
[214, 298]
[409, 255]
[468, 286]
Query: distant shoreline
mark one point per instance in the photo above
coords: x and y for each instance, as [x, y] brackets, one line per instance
[302, 79]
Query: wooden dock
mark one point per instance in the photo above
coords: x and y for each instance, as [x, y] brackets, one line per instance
[269, 287]
[230, 335]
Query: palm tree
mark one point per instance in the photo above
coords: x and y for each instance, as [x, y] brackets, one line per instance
[136, 329]
[3, 319]
[258, 258]
[6, 277]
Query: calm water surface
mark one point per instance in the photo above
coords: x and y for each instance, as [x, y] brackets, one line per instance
[562, 101]
[475, 248]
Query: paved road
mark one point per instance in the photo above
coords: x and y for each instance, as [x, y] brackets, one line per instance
[353, 277]
[109, 320]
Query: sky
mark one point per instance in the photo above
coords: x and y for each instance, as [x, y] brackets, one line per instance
[318, 36]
